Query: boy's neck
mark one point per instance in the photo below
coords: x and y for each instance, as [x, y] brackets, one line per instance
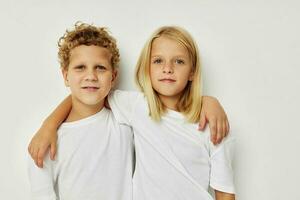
[80, 111]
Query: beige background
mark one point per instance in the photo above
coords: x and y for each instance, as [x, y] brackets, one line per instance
[250, 54]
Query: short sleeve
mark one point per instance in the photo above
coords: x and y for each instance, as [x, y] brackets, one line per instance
[122, 104]
[221, 174]
[41, 180]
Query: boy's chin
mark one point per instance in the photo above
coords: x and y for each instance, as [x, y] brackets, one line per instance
[90, 102]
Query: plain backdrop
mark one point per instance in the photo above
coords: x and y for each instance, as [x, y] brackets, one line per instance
[250, 56]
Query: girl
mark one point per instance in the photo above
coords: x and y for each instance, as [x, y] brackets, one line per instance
[173, 161]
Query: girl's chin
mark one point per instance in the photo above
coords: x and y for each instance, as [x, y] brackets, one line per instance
[169, 94]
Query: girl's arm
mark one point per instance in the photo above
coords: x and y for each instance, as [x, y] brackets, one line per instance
[213, 112]
[224, 196]
[46, 136]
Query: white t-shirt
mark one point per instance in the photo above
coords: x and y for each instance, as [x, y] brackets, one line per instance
[94, 161]
[173, 159]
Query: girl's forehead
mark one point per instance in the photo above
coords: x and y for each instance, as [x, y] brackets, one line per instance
[165, 44]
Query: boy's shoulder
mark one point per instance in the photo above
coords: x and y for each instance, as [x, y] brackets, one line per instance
[99, 119]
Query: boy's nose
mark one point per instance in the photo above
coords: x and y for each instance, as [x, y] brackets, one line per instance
[91, 76]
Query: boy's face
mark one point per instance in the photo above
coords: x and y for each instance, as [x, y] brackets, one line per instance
[90, 75]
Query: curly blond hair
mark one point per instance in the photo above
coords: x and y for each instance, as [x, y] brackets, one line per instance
[86, 34]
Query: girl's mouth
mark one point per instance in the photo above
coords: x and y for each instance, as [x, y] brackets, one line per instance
[167, 80]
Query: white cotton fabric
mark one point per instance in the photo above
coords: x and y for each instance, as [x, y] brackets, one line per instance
[94, 161]
[173, 159]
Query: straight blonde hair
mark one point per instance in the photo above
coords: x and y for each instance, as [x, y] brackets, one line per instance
[189, 103]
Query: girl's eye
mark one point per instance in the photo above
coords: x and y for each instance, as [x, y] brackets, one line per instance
[179, 61]
[100, 67]
[157, 61]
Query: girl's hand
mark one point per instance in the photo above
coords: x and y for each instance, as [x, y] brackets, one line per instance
[213, 112]
[44, 139]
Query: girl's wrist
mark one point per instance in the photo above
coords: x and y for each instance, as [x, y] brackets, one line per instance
[47, 124]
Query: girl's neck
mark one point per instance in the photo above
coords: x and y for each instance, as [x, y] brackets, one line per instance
[169, 102]
[80, 110]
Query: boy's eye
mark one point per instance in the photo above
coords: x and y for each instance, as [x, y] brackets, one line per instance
[157, 61]
[179, 61]
[79, 67]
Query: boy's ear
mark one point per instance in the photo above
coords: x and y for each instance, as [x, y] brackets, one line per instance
[65, 76]
[114, 77]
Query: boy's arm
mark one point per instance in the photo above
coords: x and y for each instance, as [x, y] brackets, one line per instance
[213, 112]
[41, 180]
[46, 136]
[224, 196]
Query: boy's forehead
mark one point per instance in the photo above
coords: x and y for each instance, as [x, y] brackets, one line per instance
[91, 51]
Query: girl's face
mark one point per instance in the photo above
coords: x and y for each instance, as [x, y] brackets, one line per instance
[170, 70]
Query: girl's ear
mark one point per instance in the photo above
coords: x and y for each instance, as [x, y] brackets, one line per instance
[65, 76]
[191, 76]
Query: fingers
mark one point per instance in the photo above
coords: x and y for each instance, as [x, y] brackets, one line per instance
[29, 148]
[40, 156]
[39, 162]
[219, 130]
[213, 130]
[34, 155]
[220, 133]
[202, 122]
[225, 132]
[227, 126]
[53, 150]
[222, 130]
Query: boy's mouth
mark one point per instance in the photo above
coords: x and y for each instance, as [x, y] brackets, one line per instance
[90, 88]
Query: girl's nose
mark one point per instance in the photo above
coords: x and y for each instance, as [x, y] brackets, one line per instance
[168, 68]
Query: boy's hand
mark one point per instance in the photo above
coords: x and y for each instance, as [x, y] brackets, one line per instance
[40, 143]
[213, 112]
[224, 196]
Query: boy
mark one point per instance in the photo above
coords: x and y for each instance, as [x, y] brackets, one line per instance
[95, 154]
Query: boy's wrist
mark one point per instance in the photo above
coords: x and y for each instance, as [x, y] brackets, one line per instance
[205, 98]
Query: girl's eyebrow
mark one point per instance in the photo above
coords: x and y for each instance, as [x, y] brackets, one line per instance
[177, 56]
[180, 55]
[152, 56]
